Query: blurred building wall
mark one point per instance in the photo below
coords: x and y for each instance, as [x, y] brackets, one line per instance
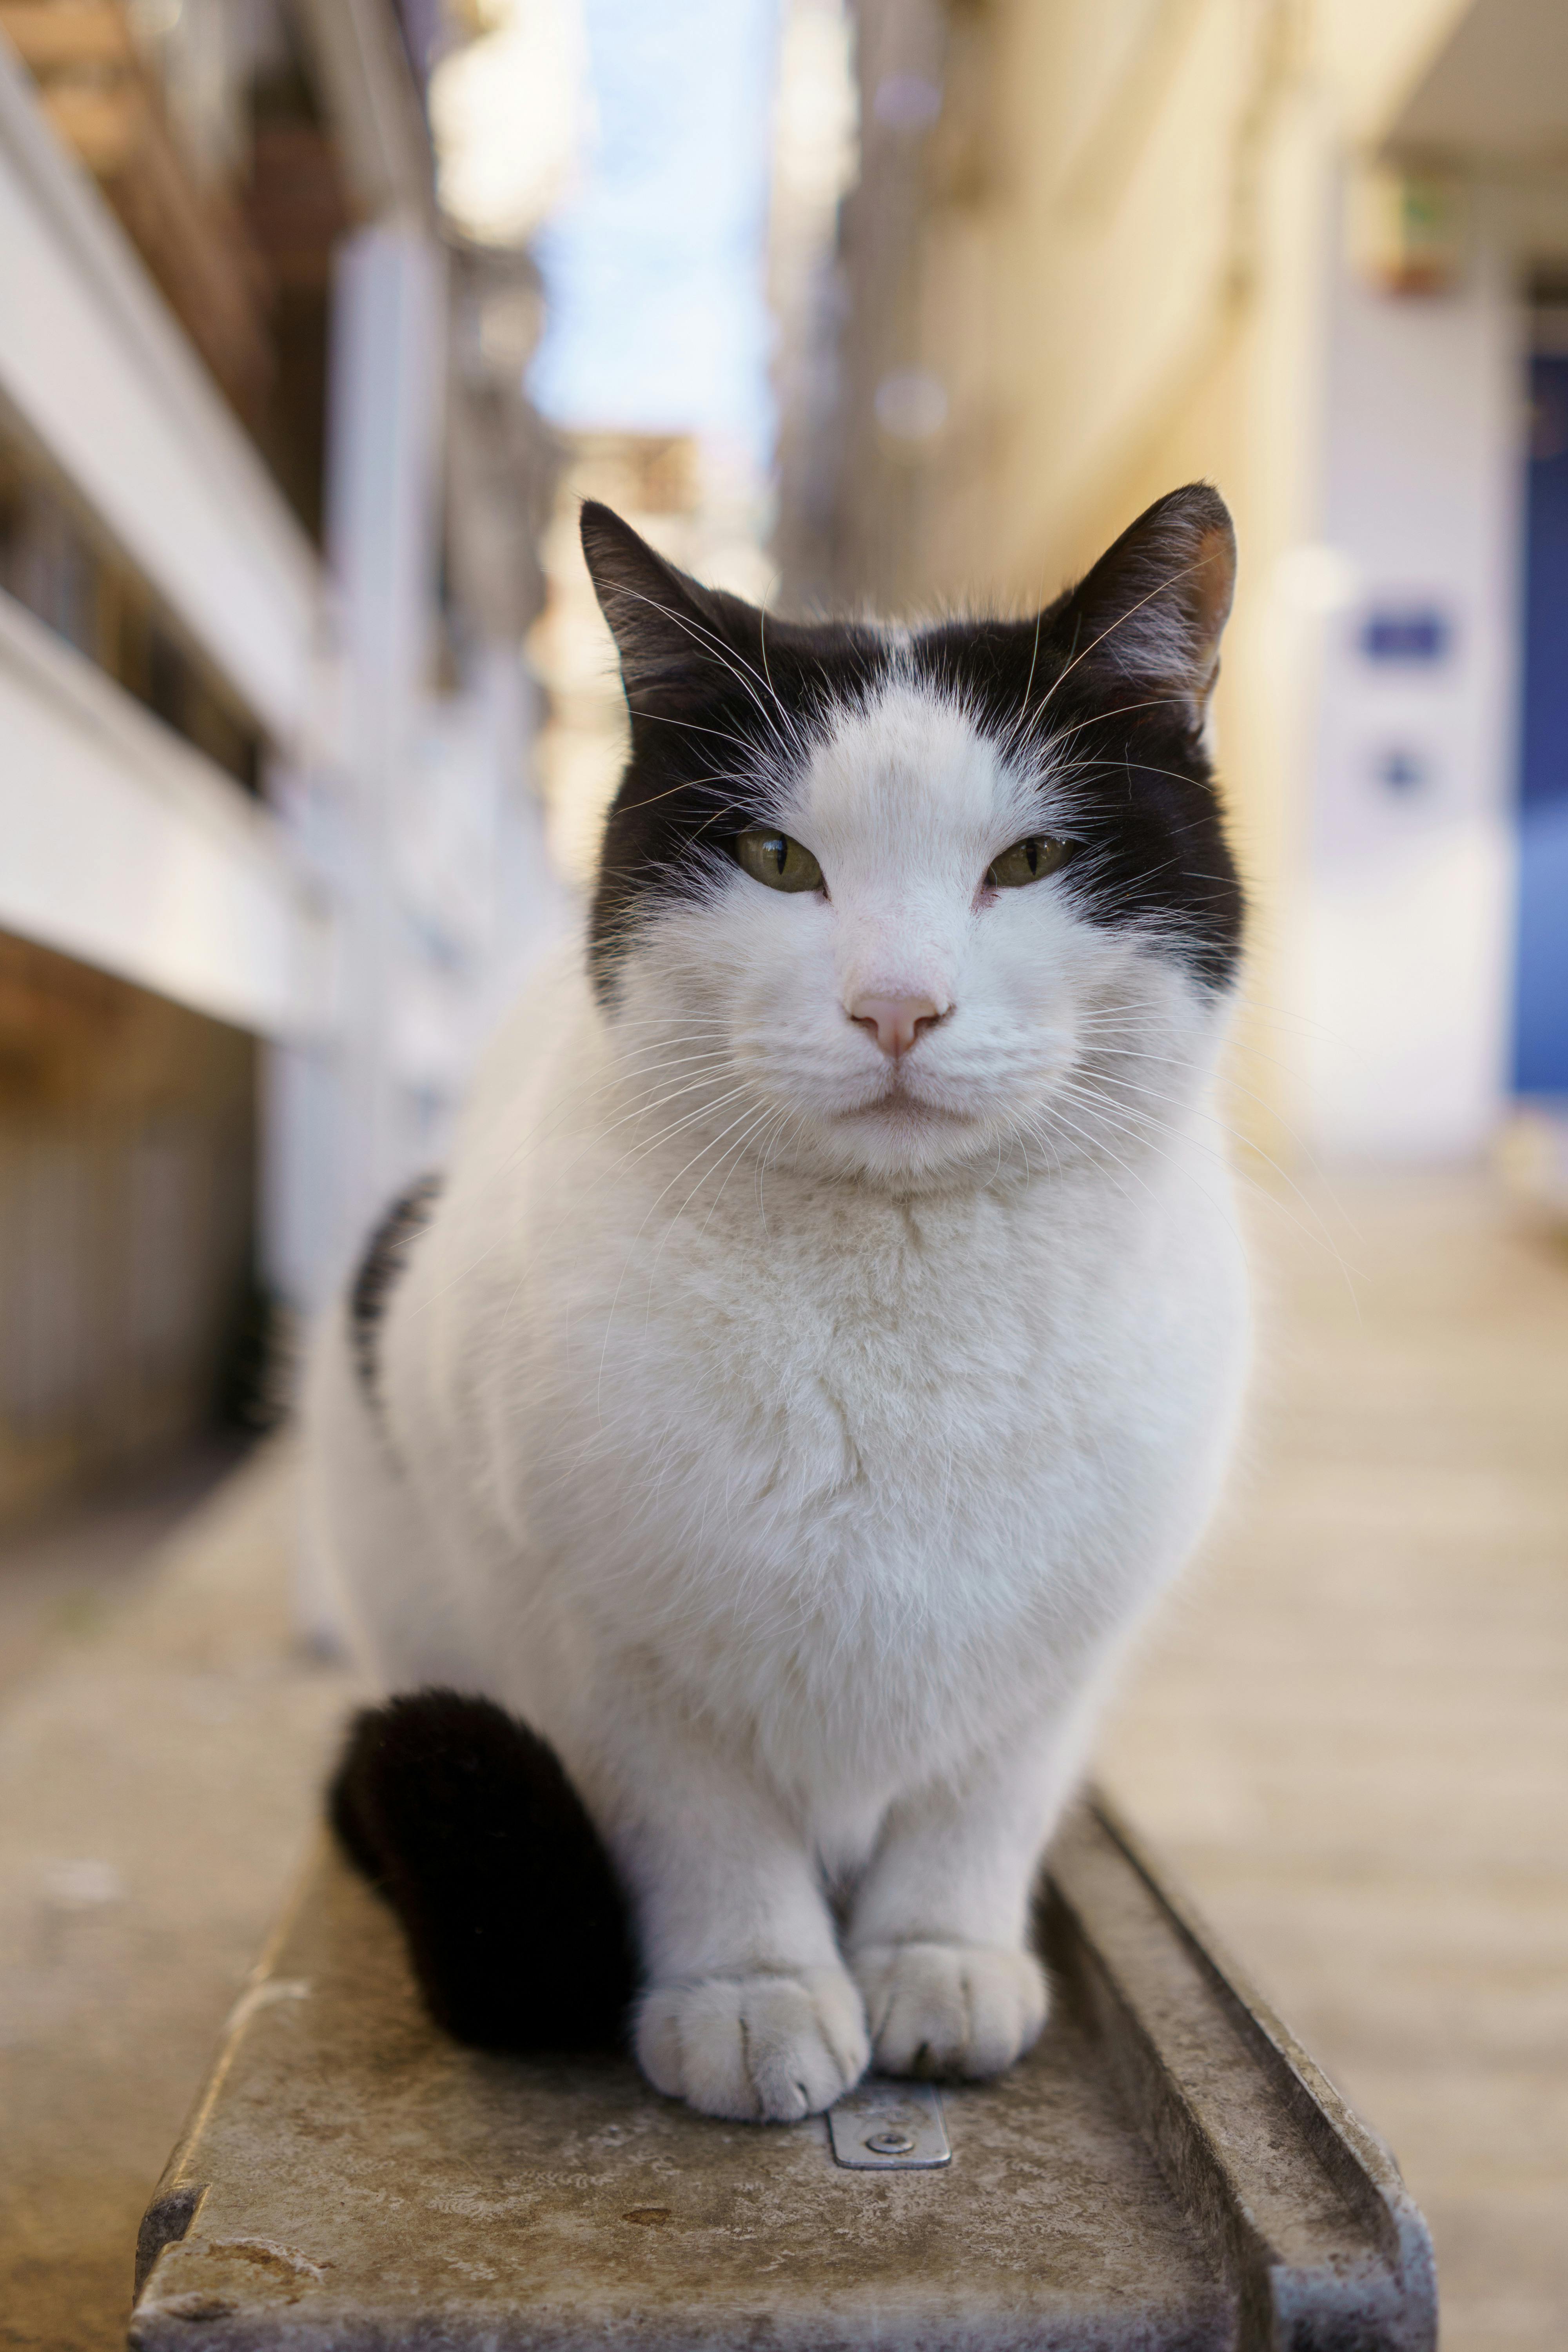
[1404, 887]
[1099, 249]
[270, 500]
[127, 1182]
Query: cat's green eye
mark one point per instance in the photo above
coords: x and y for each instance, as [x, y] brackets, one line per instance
[775, 859]
[1027, 861]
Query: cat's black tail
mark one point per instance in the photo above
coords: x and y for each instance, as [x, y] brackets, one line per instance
[518, 1930]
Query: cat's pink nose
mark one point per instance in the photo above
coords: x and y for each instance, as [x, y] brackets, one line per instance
[895, 1021]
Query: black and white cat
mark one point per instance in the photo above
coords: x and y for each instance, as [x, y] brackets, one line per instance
[828, 1337]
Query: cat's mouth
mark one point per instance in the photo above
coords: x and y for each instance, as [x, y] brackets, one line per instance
[896, 1101]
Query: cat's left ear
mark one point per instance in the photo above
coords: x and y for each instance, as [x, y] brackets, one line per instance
[1148, 619]
[673, 636]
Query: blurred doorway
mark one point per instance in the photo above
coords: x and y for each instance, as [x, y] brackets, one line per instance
[1541, 990]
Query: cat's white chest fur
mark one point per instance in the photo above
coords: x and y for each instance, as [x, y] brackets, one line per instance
[863, 1483]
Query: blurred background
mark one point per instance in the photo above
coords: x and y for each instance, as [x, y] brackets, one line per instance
[317, 318]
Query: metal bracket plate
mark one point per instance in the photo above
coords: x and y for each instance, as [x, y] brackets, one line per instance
[890, 2128]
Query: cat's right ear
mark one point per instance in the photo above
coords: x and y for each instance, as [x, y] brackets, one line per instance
[669, 629]
[1146, 623]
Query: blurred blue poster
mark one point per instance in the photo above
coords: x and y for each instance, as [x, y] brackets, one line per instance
[1541, 1019]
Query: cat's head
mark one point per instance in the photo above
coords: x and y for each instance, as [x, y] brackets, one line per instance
[914, 900]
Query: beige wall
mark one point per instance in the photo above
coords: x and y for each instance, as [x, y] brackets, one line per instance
[1371, 54]
[1142, 169]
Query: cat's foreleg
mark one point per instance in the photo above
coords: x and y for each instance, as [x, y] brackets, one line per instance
[749, 2011]
[939, 1935]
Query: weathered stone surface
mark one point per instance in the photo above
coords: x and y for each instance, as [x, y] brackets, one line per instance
[1157, 2174]
[159, 1780]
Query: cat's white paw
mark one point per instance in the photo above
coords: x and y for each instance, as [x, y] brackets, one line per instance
[950, 2009]
[759, 2049]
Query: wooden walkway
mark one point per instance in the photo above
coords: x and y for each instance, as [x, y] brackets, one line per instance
[1350, 1731]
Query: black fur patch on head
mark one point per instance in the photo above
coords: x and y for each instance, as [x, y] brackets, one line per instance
[379, 1269]
[1107, 689]
[464, 1821]
[719, 694]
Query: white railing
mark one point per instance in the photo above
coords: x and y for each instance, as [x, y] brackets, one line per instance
[122, 845]
[119, 843]
[96, 368]
[127, 849]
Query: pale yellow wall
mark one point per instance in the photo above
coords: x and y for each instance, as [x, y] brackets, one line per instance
[1118, 238]
[1370, 54]
[1134, 150]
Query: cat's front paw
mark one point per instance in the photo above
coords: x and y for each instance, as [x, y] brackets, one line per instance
[950, 2009]
[759, 2049]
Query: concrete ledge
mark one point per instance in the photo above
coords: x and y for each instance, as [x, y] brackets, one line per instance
[1166, 2170]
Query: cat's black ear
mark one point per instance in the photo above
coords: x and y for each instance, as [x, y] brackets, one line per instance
[672, 634]
[1149, 617]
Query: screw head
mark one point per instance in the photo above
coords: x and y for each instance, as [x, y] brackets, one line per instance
[889, 2143]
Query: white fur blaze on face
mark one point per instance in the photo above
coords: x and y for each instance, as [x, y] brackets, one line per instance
[906, 1020]
[896, 944]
